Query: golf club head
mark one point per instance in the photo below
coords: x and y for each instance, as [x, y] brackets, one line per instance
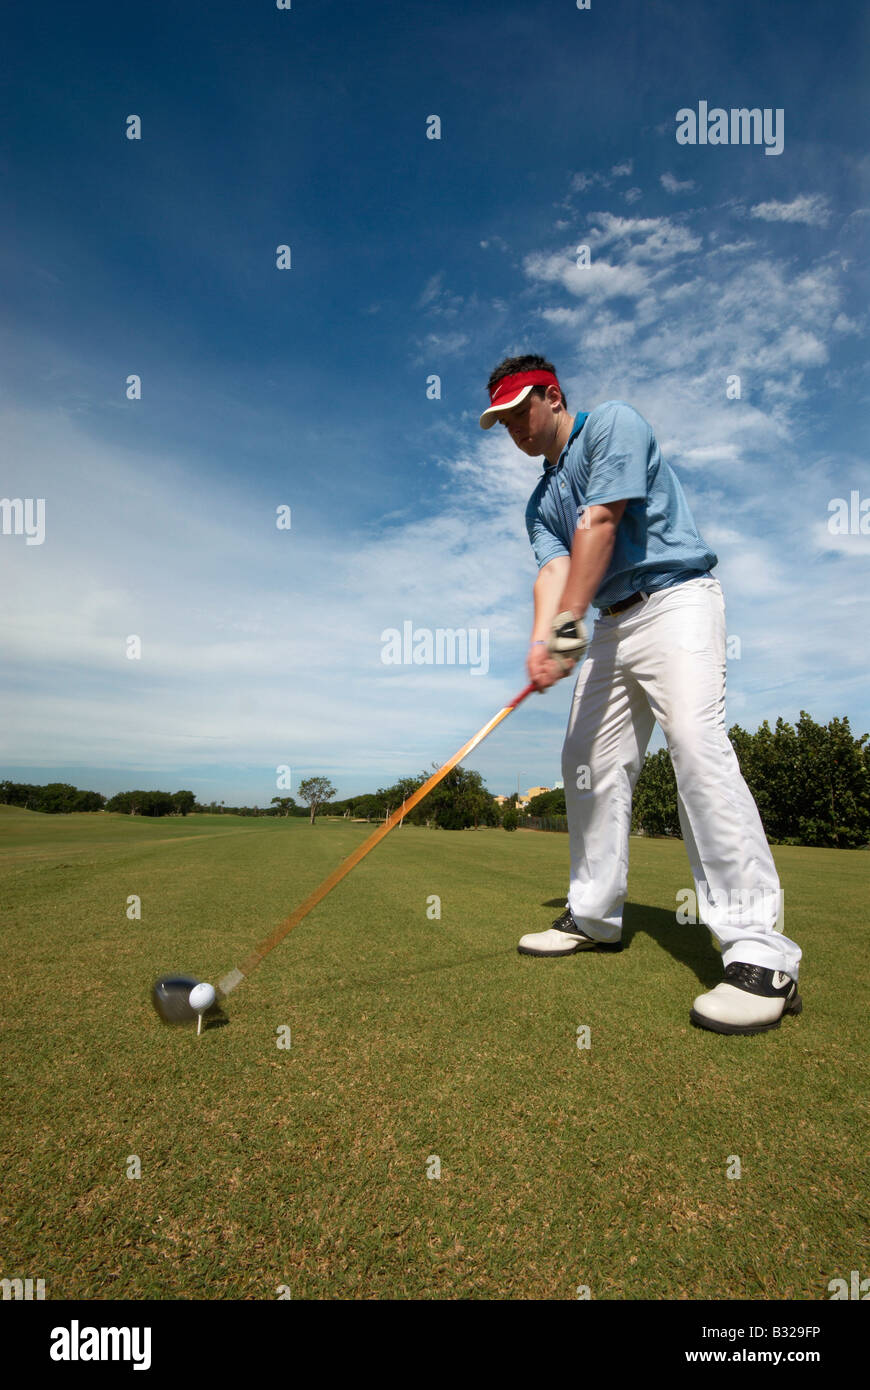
[170, 996]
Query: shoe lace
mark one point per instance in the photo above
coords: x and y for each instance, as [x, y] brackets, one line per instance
[565, 922]
[751, 975]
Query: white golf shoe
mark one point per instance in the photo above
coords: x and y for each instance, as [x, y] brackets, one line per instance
[563, 938]
[750, 999]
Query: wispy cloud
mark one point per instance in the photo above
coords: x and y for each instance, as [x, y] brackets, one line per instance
[810, 208]
[674, 185]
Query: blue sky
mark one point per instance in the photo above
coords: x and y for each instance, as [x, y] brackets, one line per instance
[410, 257]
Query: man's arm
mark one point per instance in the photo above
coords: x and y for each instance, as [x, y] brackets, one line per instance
[591, 550]
[549, 586]
[569, 585]
[550, 583]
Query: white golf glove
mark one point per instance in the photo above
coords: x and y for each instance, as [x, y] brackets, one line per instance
[568, 639]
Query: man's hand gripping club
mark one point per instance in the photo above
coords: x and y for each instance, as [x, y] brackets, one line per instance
[554, 657]
[568, 641]
[565, 588]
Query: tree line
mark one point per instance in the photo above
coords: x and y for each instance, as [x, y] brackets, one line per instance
[61, 798]
[459, 802]
[811, 783]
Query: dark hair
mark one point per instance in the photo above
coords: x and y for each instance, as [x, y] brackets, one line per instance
[530, 363]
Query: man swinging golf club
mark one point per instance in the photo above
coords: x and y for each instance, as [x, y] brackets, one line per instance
[610, 526]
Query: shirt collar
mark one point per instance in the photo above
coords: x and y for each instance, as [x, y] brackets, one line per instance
[579, 422]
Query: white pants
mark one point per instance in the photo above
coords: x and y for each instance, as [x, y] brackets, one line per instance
[664, 659]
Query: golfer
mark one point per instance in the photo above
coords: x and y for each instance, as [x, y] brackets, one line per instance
[610, 526]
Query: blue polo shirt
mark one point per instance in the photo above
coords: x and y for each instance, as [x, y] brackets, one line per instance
[612, 455]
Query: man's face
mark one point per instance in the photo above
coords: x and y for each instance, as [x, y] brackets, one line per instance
[530, 424]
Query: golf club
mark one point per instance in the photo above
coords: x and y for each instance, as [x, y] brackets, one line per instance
[171, 994]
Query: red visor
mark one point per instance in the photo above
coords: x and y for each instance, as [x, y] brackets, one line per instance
[511, 390]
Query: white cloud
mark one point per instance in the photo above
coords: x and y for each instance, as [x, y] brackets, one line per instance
[570, 318]
[642, 238]
[810, 208]
[440, 345]
[849, 543]
[795, 345]
[721, 535]
[597, 281]
[711, 453]
[637, 247]
[604, 331]
[674, 185]
[580, 182]
[430, 290]
[731, 248]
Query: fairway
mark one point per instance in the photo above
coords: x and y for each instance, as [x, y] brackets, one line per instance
[417, 1043]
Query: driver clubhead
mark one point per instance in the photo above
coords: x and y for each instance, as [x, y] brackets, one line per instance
[170, 996]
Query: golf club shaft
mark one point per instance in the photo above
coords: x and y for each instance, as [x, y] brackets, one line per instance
[236, 976]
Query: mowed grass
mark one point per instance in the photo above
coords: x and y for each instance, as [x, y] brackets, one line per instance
[412, 1038]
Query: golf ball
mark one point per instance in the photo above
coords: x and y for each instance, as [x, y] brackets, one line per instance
[201, 997]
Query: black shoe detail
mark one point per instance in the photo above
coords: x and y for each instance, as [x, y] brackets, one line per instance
[756, 979]
[566, 923]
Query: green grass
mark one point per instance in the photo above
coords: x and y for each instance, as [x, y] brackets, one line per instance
[411, 1037]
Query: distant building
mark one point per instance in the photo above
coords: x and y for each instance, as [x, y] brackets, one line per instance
[532, 791]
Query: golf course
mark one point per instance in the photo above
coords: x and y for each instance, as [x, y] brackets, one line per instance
[395, 1104]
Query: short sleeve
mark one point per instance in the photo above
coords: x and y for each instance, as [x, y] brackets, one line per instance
[545, 543]
[618, 448]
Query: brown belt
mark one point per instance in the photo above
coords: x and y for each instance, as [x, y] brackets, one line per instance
[624, 603]
[644, 593]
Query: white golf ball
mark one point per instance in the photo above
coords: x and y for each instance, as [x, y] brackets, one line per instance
[201, 998]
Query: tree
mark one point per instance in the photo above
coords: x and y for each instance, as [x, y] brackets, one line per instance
[142, 803]
[183, 802]
[654, 805]
[316, 792]
[810, 783]
[770, 766]
[57, 798]
[286, 805]
[510, 820]
[834, 807]
[548, 804]
[400, 792]
[89, 801]
[128, 803]
[460, 801]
